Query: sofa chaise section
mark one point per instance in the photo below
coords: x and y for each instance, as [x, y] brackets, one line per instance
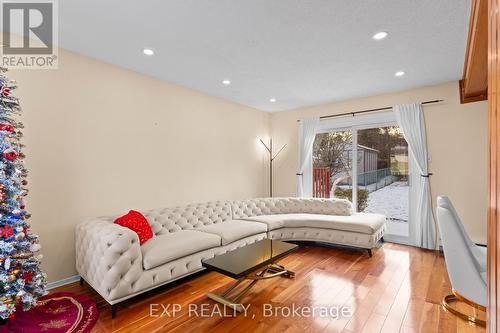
[359, 222]
[322, 220]
[330, 236]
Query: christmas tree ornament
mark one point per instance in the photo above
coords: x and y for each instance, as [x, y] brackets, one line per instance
[4, 91]
[21, 279]
[35, 247]
[28, 276]
[6, 300]
[10, 154]
[6, 128]
[22, 255]
[7, 264]
[6, 231]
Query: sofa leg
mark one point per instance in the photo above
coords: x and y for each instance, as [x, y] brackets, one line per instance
[81, 281]
[113, 311]
[370, 253]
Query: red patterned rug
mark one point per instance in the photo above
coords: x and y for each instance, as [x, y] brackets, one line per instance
[56, 313]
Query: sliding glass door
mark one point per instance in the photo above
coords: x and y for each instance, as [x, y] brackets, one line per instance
[332, 165]
[367, 164]
[383, 176]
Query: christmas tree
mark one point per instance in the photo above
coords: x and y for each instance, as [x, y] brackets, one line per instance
[21, 280]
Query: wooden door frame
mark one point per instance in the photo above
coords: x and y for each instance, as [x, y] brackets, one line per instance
[493, 165]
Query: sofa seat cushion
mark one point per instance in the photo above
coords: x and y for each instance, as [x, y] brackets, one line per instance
[273, 222]
[358, 222]
[165, 248]
[234, 230]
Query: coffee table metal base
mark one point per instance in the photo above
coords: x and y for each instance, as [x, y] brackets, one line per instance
[268, 272]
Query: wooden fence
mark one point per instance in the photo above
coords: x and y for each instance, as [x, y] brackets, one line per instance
[321, 182]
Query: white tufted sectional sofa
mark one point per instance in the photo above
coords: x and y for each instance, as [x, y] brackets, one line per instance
[110, 259]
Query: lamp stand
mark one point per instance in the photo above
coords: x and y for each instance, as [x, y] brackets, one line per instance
[271, 159]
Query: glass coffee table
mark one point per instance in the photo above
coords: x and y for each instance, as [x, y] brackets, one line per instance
[254, 262]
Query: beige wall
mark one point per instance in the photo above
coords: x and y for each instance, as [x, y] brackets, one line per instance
[102, 140]
[457, 141]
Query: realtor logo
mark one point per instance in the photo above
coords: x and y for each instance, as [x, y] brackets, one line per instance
[29, 38]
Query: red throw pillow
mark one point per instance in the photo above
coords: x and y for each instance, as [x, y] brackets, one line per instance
[138, 223]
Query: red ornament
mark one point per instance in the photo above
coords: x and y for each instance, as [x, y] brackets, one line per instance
[10, 154]
[28, 276]
[5, 91]
[6, 128]
[6, 231]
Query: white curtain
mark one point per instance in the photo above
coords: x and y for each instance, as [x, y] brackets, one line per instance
[410, 118]
[307, 133]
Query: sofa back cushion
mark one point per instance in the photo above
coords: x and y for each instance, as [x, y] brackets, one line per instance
[168, 220]
[269, 206]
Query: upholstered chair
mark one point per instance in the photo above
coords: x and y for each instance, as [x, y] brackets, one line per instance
[465, 262]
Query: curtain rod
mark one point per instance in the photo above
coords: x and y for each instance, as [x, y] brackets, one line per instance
[373, 110]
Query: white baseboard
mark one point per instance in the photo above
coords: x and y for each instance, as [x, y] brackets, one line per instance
[63, 282]
[397, 239]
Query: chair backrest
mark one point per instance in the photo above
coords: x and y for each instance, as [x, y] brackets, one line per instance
[463, 268]
[445, 202]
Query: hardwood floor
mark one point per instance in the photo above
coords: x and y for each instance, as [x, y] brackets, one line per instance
[399, 289]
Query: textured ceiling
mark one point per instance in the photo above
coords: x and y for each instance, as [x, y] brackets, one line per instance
[302, 52]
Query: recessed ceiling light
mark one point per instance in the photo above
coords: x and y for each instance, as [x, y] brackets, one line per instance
[399, 73]
[148, 52]
[226, 82]
[380, 35]
[272, 100]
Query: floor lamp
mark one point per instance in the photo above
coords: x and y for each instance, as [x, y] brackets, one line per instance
[271, 159]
